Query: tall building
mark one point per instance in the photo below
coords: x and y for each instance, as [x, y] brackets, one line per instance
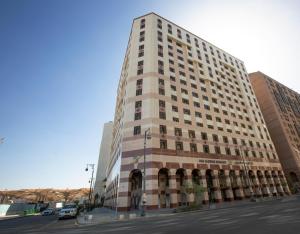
[203, 118]
[104, 156]
[281, 110]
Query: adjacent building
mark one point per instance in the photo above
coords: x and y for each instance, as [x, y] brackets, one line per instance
[281, 110]
[104, 156]
[205, 124]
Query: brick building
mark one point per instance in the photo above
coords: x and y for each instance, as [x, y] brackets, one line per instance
[281, 110]
[205, 124]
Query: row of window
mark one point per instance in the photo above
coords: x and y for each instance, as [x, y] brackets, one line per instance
[204, 136]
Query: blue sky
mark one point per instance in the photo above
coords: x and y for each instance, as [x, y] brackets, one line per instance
[60, 63]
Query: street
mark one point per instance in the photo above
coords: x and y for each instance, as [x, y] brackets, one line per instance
[268, 217]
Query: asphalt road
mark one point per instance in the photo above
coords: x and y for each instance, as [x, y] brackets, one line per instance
[282, 217]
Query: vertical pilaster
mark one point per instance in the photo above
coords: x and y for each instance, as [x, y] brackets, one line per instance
[173, 188]
[204, 184]
[229, 193]
[216, 186]
[239, 191]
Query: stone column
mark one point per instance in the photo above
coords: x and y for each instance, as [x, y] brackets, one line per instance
[216, 186]
[229, 192]
[256, 185]
[278, 184]
[204, 184]
[152, 188]
[239, 191]
[189, 187]
[284, 185]
[265, 188]
[272, 186]
[173, 188]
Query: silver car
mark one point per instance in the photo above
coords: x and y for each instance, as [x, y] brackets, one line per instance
[48, 211]
[68, 211]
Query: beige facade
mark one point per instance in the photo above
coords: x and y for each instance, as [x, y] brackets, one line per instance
[203, 117]
[281, 110]
[104, 156]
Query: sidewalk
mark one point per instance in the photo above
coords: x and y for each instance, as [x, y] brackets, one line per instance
[105, 215]
[9, 217]
[17, 216]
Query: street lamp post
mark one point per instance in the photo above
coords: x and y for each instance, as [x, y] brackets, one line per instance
[147, 136]
[92, 166]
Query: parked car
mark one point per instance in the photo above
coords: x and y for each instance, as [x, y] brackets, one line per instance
[48, 211]
[68, 211]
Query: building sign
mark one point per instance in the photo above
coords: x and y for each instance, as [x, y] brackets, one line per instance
[224, 162]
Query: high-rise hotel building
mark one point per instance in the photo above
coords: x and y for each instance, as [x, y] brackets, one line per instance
[205, 124]
[281, 110]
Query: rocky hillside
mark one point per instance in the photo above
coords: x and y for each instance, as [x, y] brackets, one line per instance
[45, 195]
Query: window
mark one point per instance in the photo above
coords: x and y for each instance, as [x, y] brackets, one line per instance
[198, 114]
[225, 139]
[175, 108]
[227, 150]
[137, 116]
[193, 147]
[163, 129]
[179, 145]
[142, 23]
[138, 104]
[215, 138]
[186, 112]
[175, 119]
[169, 29]
[139, 87]
[142, 36]
[159, 23]
[161, 91]
[160, 67]
[160, 51]
[208, 117]
[203, 136]
[217, 150]
[206, 149]
[162, 115]
[185, 101]
[137, 130]
[179, 34]
[197, 104]
[178, 132]
[159, 36]
[162, 103]
[163, 144]
[141, 51]
[192, 134]
[139, 92]
[140, 66]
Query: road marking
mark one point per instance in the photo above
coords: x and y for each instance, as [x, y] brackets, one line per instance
[166, 224]
[216, 220]
[269, 217]
[120, 229]
[289, 210]
[226, 223]
[249, 214]
[209, 217]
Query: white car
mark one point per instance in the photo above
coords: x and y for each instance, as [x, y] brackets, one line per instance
[48, 211]
[68, 211]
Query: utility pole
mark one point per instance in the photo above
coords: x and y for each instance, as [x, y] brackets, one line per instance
[92, 166]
